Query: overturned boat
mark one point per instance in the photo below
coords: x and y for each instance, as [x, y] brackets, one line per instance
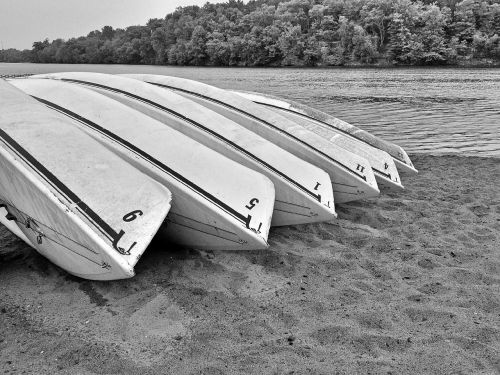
[70, 198]
[303, 191]
[351, 175]
[331, 123]
[217, 204]
[382, 163]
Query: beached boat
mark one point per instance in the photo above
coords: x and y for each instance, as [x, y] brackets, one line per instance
[326, 121]
[70, 198]
[303, 191]
[382, 163]
[351, 175]
[217, 203]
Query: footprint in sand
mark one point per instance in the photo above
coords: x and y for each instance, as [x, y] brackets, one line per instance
[466, 277]
[345, 338]
[433, 288]
[431, 317]
[481, 234]
[427, 264]
[373, 320]
[480, 210]
[347, 296]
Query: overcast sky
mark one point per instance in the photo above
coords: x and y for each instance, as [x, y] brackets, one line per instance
[23, 22]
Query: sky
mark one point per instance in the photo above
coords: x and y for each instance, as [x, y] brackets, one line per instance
[23, 22]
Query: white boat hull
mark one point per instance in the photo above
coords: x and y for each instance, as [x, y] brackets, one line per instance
[330, 122]
[351, 175]
[69, 196]
[303, 192]
[382, 163]
[218, 204]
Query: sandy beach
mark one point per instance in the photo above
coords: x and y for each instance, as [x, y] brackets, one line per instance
[407, 283]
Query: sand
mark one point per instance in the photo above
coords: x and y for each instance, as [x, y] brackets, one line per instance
[407, 283]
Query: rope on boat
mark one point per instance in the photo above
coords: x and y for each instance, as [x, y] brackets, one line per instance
[28, 220]
[41, 235]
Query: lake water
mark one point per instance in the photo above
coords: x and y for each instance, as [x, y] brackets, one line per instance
[440, 110]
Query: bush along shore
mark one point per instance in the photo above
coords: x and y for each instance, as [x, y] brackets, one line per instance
[292, 33]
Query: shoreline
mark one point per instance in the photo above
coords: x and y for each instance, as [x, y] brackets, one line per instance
[476, 65]
[408, 282]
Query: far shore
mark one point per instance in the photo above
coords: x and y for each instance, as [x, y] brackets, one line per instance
[473, 64]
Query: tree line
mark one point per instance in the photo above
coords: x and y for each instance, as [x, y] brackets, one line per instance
[291, 33]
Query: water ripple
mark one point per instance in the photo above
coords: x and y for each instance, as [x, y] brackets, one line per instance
[424, 110]
[395, 99]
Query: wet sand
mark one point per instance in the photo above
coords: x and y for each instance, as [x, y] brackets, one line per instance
[405, 283]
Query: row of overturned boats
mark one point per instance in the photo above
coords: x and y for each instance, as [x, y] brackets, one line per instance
[93, 166]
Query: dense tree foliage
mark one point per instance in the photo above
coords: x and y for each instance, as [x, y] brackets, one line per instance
[292, 33]
[14, 55]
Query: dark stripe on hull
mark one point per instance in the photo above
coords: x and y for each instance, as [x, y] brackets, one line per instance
[383, 174]
[200, 126]
[387, 175]
[293, 213]
[266, 123]
[346, 192]
[293, 204]
[328, 125]
[244, 219]
[93, 217]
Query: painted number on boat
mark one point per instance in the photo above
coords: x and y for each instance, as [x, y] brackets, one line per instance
[131, 216]
[252, 203]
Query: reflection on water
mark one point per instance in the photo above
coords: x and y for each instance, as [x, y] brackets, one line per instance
[423, 110]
